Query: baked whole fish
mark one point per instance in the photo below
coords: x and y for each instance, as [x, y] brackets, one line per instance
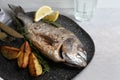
[58, 44]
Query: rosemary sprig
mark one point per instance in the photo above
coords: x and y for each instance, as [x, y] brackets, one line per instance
[57, 25]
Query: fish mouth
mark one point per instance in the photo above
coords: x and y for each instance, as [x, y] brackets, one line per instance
[75, 62]
[83, 64]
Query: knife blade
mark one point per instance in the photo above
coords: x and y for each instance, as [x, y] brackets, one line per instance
[10, 31]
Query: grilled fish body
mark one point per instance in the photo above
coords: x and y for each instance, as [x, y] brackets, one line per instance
[58, 44]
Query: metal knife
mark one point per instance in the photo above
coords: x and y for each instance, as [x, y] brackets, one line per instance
[10, 31]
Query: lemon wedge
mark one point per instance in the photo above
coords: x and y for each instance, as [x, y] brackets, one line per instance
[52, 17]
[42, 12]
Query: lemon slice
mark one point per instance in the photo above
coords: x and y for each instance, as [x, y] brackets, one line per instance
[52, 17]
[10, 52]
[42, 12]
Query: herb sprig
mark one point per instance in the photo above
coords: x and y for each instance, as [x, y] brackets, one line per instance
[57, 25]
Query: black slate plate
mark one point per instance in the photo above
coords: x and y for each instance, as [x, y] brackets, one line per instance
[58, 71]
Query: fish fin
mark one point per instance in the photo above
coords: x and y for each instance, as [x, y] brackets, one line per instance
[20, 14]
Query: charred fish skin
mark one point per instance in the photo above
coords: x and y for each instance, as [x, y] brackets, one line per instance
[58, 44]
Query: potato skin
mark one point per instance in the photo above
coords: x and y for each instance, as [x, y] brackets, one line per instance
[35, 68]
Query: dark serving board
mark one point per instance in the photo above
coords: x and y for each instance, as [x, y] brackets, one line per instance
[9, 69]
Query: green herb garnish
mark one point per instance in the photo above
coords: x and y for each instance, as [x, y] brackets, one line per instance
[52, 23]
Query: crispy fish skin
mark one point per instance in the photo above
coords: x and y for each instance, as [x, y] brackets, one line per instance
[58, 44]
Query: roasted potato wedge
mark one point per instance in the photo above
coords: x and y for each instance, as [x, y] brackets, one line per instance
[10, 52]
[35, 68]
[25, 51]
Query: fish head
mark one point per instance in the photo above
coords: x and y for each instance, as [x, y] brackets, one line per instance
[73, 54]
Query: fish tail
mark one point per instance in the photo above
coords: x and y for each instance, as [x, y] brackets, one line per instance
[20, 14]
[16, 9]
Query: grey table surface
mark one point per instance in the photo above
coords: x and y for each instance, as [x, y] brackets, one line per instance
[104, 28]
